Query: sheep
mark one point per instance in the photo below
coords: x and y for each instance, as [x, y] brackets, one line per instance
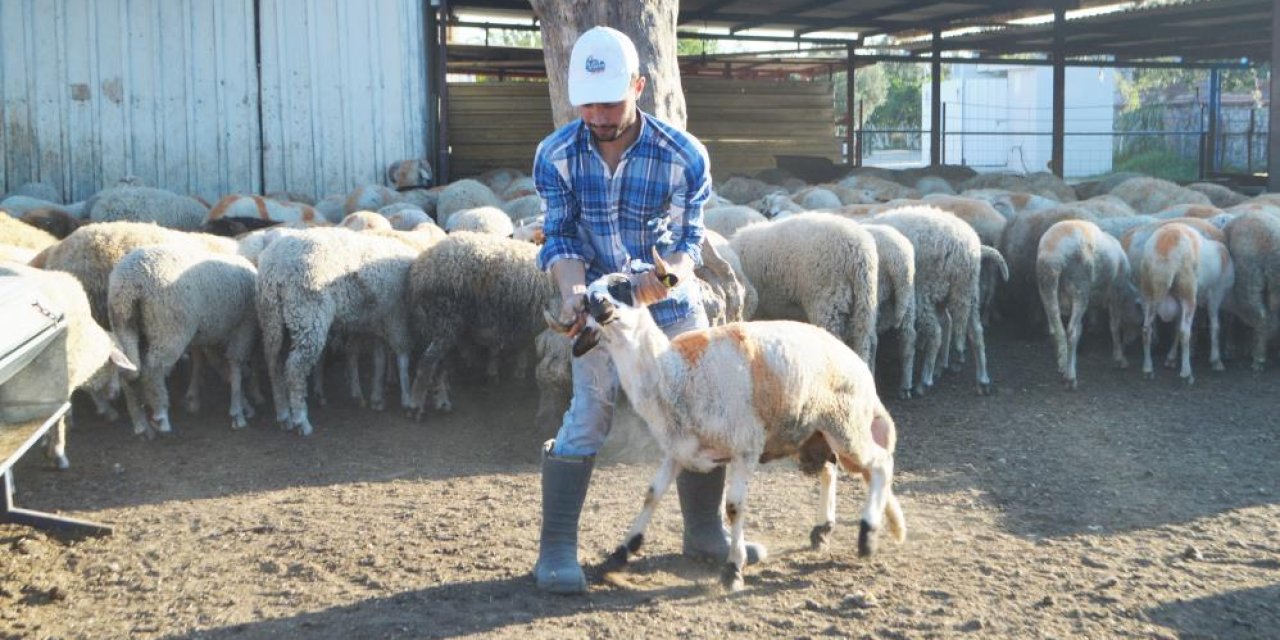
[1150, 195]
[530, 230]
[816, 267]
[1117, 227]
[989, 224]
[1076, 264]
[404, 217]
[948, 268]
[369, 197]
[1093, 188]
[875, 189]
[1012, 203]
[332, 208]
[92, 251]
[741, 190]
[523, 207]
[1018, 246]
[326, 280]
[1051, 186]
[896, 283]
[727, 220]
[145, 204]
[1254, 243]
[1202, 211]
[722, 269]
[292, 197]
[17, 233]
[17, 205]
[773, 205]
[1134, 241]
[56, 221]
[930, 185]
[490, 220]
[39, 191]
[361, 220]
[1102, 207]
[1219, 196]
[269, 209]
[743, 394]
[165, 299]
[818, 198]
[408, 174]
[499, 179]
[474, 289]
[1179, 271]
[424, 199]
[20, 255]
[463, 195]
[519, 188]
[92, 357]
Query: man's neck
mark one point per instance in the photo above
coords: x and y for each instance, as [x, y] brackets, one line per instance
[612, 151]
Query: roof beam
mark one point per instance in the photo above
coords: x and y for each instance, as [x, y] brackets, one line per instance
[811, 5]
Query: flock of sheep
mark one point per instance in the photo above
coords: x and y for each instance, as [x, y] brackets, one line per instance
[443, 278]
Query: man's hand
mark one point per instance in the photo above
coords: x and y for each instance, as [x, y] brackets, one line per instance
[646, 288]
[573, 313]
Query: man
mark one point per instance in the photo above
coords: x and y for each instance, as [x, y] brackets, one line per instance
[616, 184]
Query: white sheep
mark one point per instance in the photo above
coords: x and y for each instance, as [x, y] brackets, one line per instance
[405, 217]
[521, 187]
[896, 307]
[369, 197]
[1181, 270]
[930, 185]
[17, 205]
[490, 220]
[269, 209]
[145, 204]
[1254, 242]
[1220, 196]
[329, 280]
[92, 251]
[39, 191]
[523, 207]
[462, 195]
[815, 267]
[17, 233]
[743, 394]
[332, 208]
[361, 220]
[742, 190]
[498, 179]
[1077, 264]
[1011, 203]
[727, 220]
[948, 268]
[1151, 195]
[410, 173]
[92, 358]
[166, 299]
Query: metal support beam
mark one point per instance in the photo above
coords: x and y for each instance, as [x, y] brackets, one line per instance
[851, 69]
[441, 50]
[1059, 91]
[1273, 124]
[1210, 161]
[935, 107]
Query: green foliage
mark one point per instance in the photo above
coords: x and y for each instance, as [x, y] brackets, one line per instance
[1160, 163]
[888, 94]
[515, 38]
[696, 46]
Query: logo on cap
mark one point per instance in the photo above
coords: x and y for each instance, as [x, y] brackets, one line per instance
[594, 64]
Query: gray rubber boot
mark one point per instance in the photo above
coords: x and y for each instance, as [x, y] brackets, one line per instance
[705, 536]
[564, 487]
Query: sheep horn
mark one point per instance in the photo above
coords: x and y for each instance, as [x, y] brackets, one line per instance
[662, 269]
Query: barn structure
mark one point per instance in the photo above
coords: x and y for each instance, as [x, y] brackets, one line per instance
[210, 97]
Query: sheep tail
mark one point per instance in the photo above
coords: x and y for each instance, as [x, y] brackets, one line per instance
[126, 326]
[993, 255]
[894, 519]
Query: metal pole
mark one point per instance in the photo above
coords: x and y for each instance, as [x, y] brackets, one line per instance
[1273, 124]
[851, 69]
[1058, 152]
[1215, 114]
[442, 61]
[935, 108]
[429, 30]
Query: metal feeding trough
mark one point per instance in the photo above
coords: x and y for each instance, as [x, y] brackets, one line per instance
[34, 391]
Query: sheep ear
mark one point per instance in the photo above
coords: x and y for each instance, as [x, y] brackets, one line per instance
[122, 361]
[587, 339]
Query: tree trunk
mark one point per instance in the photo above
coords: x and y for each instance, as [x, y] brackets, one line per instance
[651, 25]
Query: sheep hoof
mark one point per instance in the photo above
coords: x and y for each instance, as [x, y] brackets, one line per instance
[919, 391]
[1149, 375]
[904, 394]
[444, 405]
[819, 536]
[1218, 366]
[1121, 364]
[248, 411]
[192, 405]
[1188, 381]
[616, 560]
[1259, 366]
[1170, 363]
[110, 415]
[985, 388]
[731, 578]
[1070, 384]
[61, 463]
[866, 539]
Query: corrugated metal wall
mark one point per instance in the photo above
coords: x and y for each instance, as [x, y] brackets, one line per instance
[168, 90]
[343, 91]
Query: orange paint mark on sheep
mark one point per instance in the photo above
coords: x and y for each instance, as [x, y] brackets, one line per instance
[691, 346]
[1054, 237]
[768, 390]
[1166, 240]
[220, 209]
[261, 204]
[353, 201]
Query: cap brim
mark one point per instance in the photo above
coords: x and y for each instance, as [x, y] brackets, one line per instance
[598, 91]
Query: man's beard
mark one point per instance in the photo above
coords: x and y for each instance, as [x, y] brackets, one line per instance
[609, 134]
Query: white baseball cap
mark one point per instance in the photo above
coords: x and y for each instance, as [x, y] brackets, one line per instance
[601, 66]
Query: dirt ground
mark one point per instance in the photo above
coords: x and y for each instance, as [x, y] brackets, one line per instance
[1127, 509]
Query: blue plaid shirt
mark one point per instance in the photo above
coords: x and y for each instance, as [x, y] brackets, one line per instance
[653, 199]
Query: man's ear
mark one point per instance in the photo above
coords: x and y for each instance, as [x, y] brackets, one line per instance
[639, 85]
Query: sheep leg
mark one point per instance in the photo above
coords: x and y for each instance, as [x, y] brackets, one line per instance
[735, 509]
[352, 356]
[191, 399]
[944, 351]
[378, 395]
[1171, 358]
[239, 420]
[1184, 336]
[56, 445]
[102, 406]
[131, 401]
[879, 478]
[305, 352]
[821, 532]
[317, 383]
[272, 346]
[402, 371]
[1215, 332]
[965, 309]
[1074, 329]
[155, 393]
[1114, 313]
[979, 341]
[907, 340]
[635, 535]
[931, 335]
[1050, 298]
[1148, 320]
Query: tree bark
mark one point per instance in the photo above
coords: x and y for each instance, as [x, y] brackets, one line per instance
[651, 25]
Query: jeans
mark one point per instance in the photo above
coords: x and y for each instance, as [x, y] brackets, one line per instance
[595, 390]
